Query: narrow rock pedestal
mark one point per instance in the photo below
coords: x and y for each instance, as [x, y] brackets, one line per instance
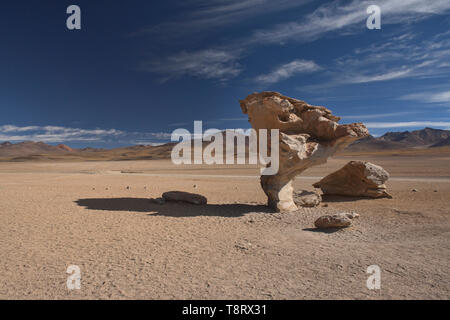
[308, 136]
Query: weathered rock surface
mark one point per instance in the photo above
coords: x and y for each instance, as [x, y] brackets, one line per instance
[307, 199]
[308, 136]
[338, 220]
[357, 179]
[184, 197]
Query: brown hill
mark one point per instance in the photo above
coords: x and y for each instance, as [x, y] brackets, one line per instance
[391, 142]
[31, 151]
[442, 143]
[402, 140]
[374, 144]
[424, 137]
[65, 148]
[28, 148]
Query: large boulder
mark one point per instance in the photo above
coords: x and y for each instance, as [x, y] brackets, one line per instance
[356, 179]
[308, 136]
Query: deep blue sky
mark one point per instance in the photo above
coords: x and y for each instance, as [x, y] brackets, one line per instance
[137, 70]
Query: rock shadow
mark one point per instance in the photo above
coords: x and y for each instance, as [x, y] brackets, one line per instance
[336, 198]
[328, 230]
[171, 209]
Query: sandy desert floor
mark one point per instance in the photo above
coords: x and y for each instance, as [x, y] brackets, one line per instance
[53, 215]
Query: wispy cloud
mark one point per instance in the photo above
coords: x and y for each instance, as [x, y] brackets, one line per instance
[338, 15]
[54, 133]
[378, 115]
[378, 77]
[396, 57]
[57, 134]
[201, 17]
[428, 97]
[207, 64]
[406, 124]
[221, 61]
[287, 71]
[11, 128]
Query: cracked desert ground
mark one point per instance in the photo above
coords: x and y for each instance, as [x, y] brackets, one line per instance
[56, 214]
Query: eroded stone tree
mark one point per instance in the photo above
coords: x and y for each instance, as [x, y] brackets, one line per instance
[308, 136]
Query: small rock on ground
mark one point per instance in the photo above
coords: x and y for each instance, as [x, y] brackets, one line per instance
[307, 199]
[338, 220]
[184, 197]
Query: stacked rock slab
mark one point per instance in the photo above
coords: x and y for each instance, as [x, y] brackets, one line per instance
[308, 136]
[356, 179]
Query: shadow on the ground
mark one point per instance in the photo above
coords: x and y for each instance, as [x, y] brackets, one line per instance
[171, 209]
[333, 198]
[329, 230]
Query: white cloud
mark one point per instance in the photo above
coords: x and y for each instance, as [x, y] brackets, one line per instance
[287, 71]
[221, 62]
[378, 77]
[200, 17]
[57, 134]
[382, 125]
[207, 64]
[397, 57]
[335, 16]
[11, 128]
[54, 133]
[244, 7]
[379, 115]
[428, 97]
[147, 143]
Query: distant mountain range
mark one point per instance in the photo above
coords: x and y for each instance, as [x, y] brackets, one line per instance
[7, 149]
[28, 150]
[425, 138]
